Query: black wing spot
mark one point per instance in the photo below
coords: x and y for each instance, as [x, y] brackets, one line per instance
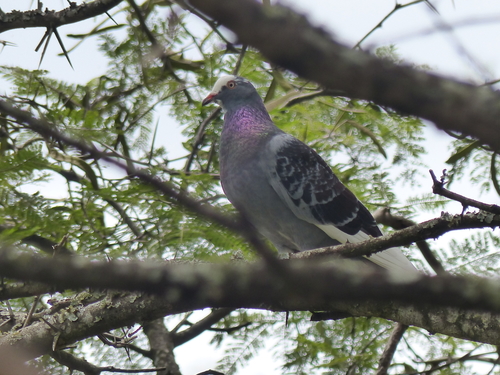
[309, 180]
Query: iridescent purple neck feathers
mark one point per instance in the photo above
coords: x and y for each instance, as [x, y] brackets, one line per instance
[248, 119]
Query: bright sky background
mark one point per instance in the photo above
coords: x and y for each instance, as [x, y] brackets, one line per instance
[461, 41]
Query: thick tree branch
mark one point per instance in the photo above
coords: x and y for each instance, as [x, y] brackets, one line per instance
[19, 290]
[309, 285]
[285, 38]
[122, 309]
[51, 19]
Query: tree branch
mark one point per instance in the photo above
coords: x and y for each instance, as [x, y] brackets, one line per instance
[51, 19]
[79, 364]
[428, 229]
[285, 37]
[200, 327]
[385, 217]
[74, 363]
[122, 309]
[311, 286]
[439, 189]
[390, 349]
[19, 290]
[162, 347]
[42, 243]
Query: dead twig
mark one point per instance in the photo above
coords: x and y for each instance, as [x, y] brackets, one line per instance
[438, 188]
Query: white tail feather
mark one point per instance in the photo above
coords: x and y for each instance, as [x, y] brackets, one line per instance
[391, 259]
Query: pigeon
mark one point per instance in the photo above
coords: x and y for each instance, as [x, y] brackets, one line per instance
[282, 186]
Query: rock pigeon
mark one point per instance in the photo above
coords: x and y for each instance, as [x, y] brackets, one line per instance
[282, 186]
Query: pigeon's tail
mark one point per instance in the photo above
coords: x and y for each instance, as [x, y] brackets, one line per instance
[393, 259]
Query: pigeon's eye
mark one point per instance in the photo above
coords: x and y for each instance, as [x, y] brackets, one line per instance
[231, 84]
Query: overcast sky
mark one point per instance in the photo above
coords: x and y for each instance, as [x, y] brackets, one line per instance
[461, 40]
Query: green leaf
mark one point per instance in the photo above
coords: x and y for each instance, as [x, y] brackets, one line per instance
[463, 152]
[96, 31]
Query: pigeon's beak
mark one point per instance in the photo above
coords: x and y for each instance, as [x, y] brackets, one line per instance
[209, 99]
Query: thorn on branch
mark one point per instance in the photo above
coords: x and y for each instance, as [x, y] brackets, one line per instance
[46, 35]
[56, 33]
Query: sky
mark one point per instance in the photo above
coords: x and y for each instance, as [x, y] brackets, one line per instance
[460, 40]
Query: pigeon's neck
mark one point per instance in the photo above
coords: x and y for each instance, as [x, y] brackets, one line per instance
[248, 120]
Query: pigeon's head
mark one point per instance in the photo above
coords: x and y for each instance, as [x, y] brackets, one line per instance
[232, 91]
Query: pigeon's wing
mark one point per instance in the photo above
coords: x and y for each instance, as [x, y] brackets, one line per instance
[313, 193]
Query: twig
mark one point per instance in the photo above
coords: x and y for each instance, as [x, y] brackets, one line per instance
[379, 25]
[126, 218]
[198, 139]
[438, 188]
[390, 348]
[493, 172]
[213, 25]
[183, 321]
[200, 327]
[282, 35]
[41, 243]
[237, 66]
[447, 363]
[142, 22]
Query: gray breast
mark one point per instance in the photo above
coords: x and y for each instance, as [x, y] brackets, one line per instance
[245, 183]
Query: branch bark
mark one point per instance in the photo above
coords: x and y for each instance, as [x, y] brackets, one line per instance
[390, 349]
[162, 347]
[199, 327]
[122, 309]
[439, 189]
[428, 229]
[285, 37]
[306, 283]
[52, 19]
